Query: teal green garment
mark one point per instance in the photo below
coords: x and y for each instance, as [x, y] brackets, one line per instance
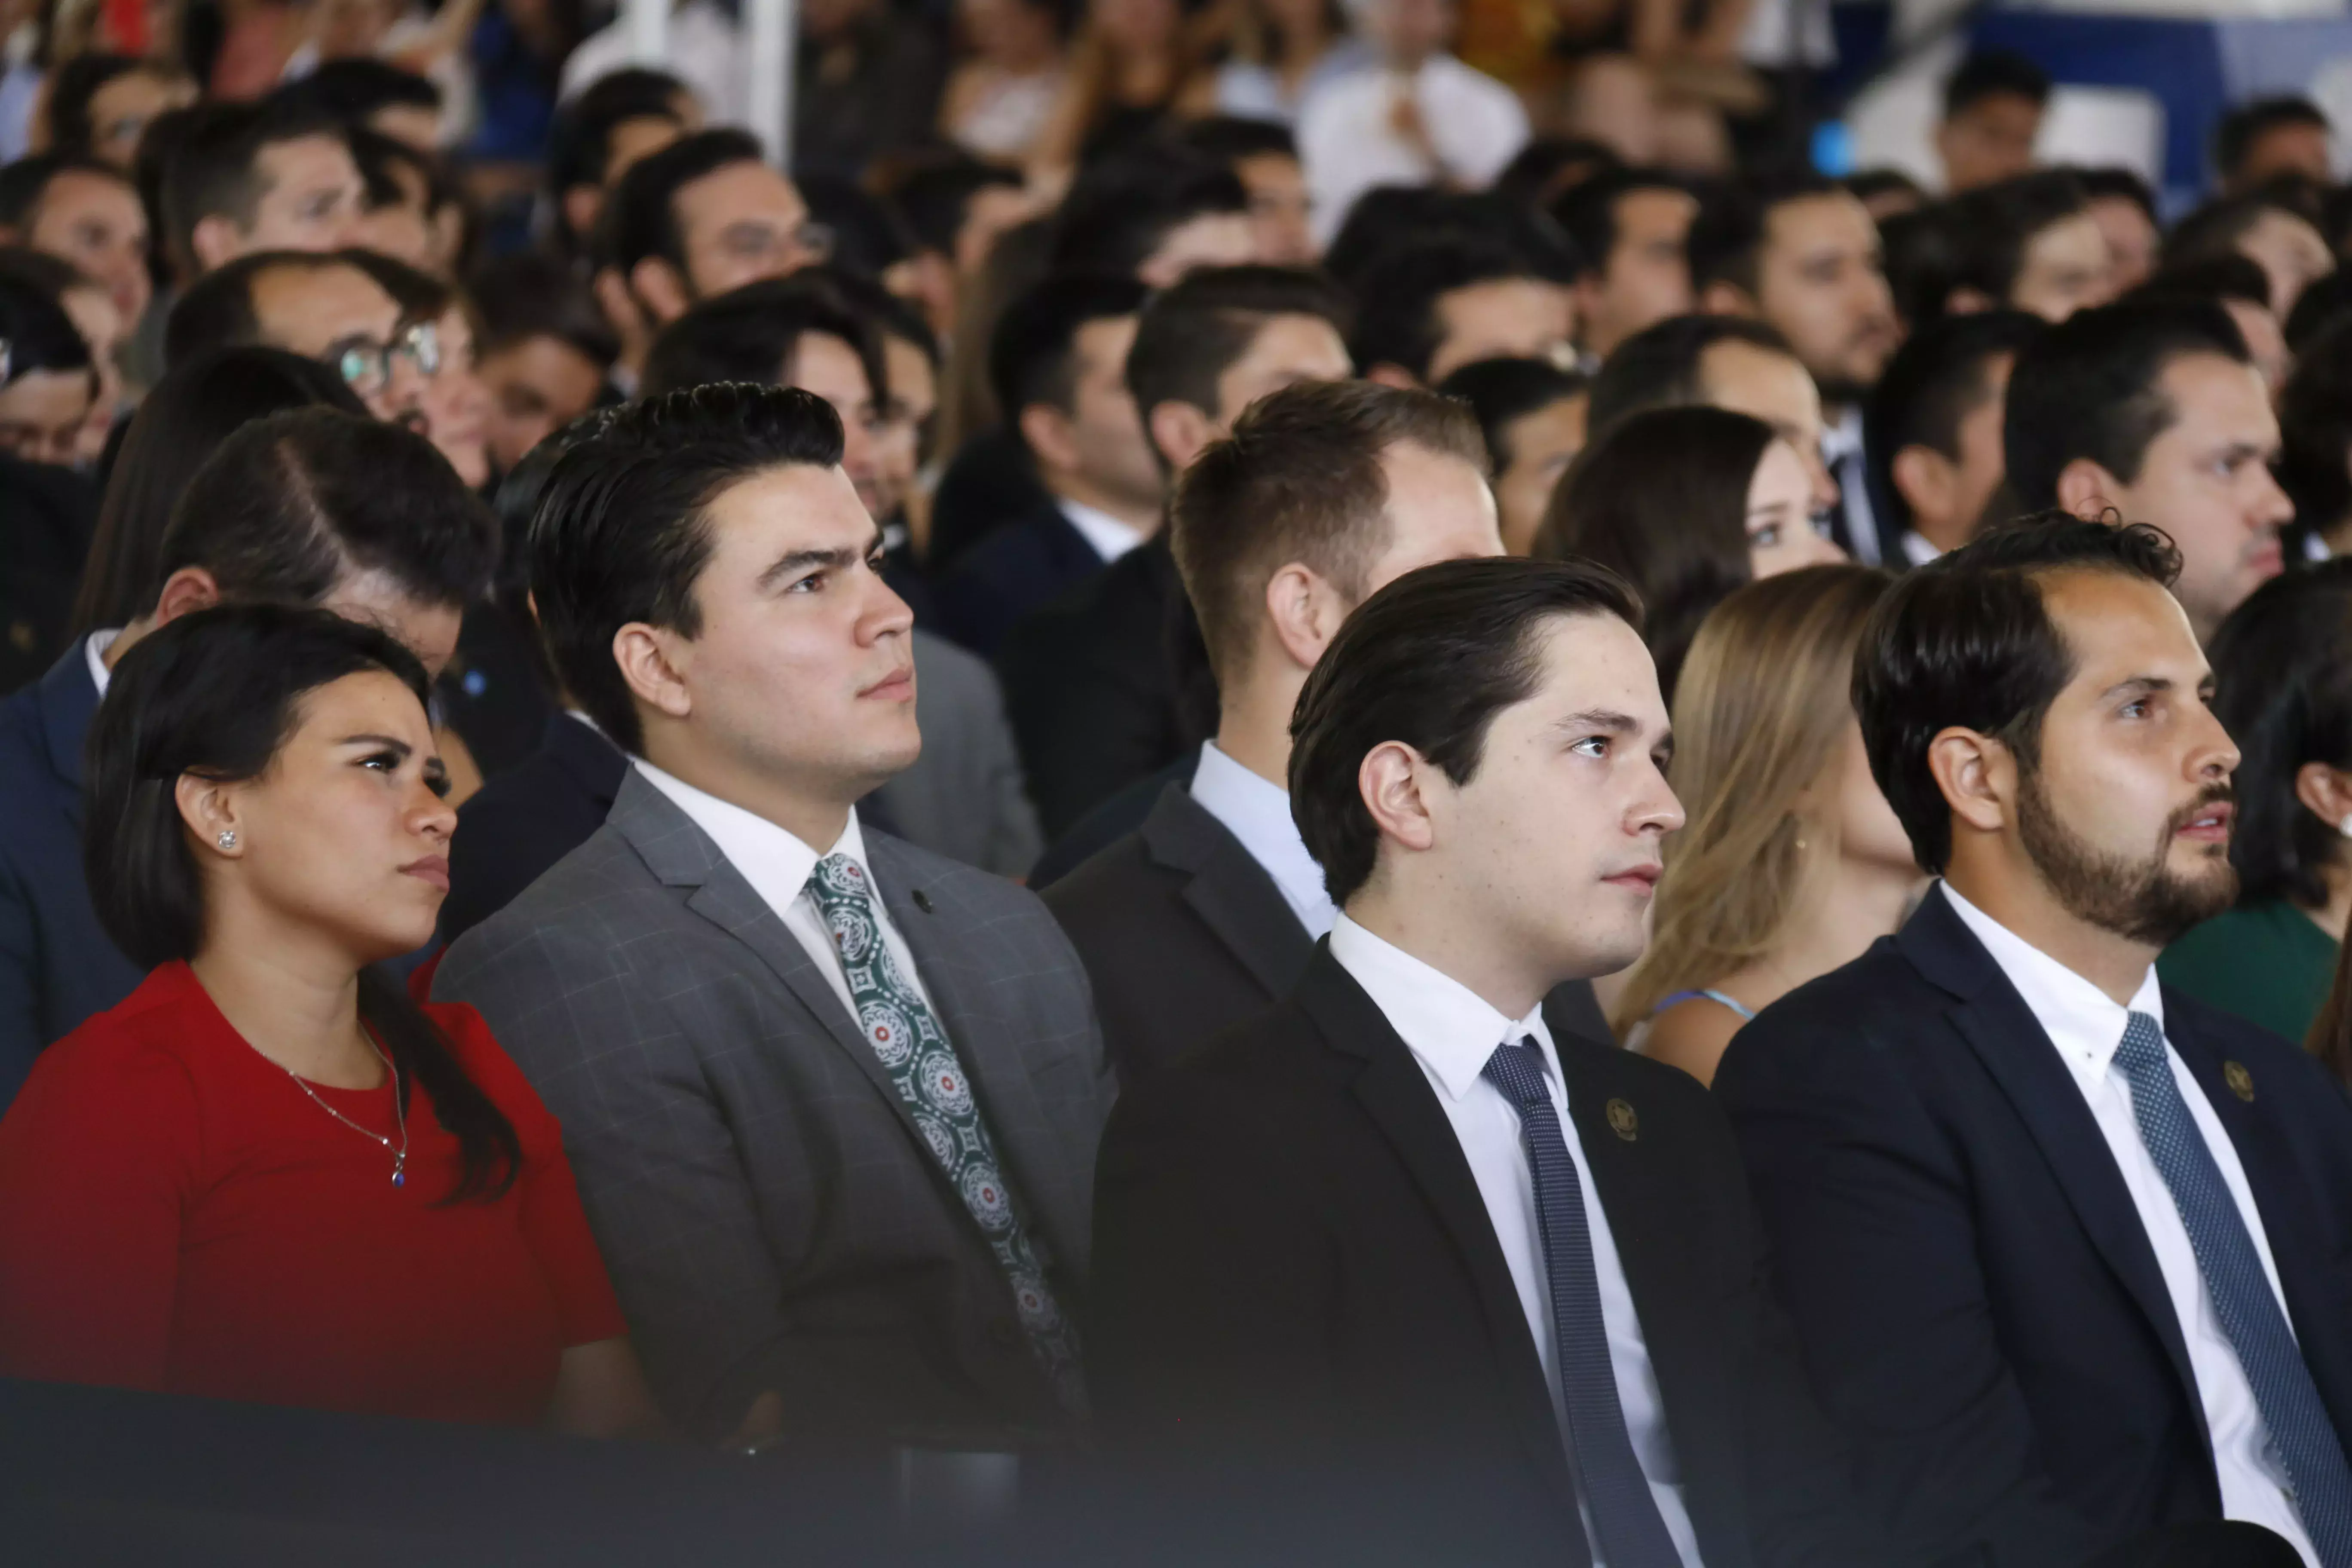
[2269, 964]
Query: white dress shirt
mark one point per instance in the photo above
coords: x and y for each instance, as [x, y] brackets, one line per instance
[1258, 812]
[93, 648]
[2087, 1027]
[1109, 538]
[1451, 1033]
[1347, 145]
[1841, 444]
[778, 866]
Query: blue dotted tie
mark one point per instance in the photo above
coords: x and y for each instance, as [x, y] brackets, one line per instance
[1625, 1517]
[924, 1068]
[2303, 1437]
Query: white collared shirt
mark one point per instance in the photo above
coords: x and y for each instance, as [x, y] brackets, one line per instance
[778, 866]
[2087, 1028]
[1106, 535]
[1347, 144]
[93, 648]
[1842, 443]
[1916, 548]
[1258, 812]
[1451, 1032]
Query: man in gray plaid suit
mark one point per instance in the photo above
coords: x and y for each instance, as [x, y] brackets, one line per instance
[832, 1100]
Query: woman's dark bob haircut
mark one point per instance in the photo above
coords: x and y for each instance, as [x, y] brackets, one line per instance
[216, 693]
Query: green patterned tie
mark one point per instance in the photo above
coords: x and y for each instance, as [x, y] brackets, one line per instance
[922, 1064]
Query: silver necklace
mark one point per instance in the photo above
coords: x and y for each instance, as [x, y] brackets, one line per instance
[400, 1160]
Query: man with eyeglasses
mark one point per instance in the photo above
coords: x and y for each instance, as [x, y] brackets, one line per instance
[325, 308]
[703, 216]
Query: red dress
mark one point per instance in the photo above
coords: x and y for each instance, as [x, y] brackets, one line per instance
[176, 1215]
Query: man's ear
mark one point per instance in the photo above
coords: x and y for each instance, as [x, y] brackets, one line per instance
[189, 588]
[1926, 480]
[654, 662]
[215, 241]
[1305, 611]
[1977, 775]
[1046, 430]
[1179, 432]
[1390, 780]
[660, 288]
[2085, 488]
[1722, 298]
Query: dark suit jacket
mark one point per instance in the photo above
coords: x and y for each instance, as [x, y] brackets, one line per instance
[1108, 823]
[1294, 1273]
[772, 1214]
[1091, 685]
[525, 820]
[58, 965]
[47, 514]
[1022, 565]
[990, 479]
[1184, 936]
[1975, 1293]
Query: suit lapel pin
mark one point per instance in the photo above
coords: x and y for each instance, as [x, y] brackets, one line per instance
[2241, 1081]
[1622, 1121]
[922, 901]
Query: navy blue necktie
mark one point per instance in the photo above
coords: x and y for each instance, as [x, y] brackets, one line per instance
[1625, 1517]
[2300, 1431]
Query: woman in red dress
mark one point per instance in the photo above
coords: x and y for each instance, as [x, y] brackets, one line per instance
[268, 1175]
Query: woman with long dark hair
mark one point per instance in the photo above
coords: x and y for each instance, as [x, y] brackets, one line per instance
[268, 1175]
[2282, 687]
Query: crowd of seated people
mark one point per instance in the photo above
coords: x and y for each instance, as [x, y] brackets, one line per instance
[1341, 757]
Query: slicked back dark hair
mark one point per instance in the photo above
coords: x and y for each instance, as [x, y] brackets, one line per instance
[1587, 211]
[1726, 238]
[212, 166]
[1429, 661]
[1664, 365]
[623, 532]
[1994, 73]
[936, 198]
[1397, 322]
[1298, 479]
[2092, 386]
[1938, 377]
[640, 217]
[1122, 207]
[2283, 688]
[2323, 302]
[1992, 225]
[1501, 392]
[2236, 132]
[216, 310]
[293, 505]
[218, 693]
[350, 90]
[25, 184]
[1191, 333]
[1967, 641]
[753, 334]
[1032, 352]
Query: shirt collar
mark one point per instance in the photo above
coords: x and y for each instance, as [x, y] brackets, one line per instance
[1916, 548]
[1109, 537]
[775, 862]
[1844, 439]
[2081, 1020]
[1258, 812]
[1449, 1029]
[94, 648]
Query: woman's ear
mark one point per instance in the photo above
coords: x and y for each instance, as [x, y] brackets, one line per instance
[2327, 793]
[212, 813]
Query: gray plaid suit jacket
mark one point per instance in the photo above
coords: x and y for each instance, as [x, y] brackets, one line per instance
[770, 1216]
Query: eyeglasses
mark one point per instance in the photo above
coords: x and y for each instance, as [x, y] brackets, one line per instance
[366, 365]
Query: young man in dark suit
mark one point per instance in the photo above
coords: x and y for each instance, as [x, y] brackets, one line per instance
[1402, 1262]
[2067, 1250]
[1207, 914]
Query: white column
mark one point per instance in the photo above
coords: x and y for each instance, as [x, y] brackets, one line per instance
[648, 31]
[771, 29]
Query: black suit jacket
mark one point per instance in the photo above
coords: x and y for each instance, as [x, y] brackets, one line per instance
[1026, 563]
[1973, 1287]
[1295, 1281]
[526, 819]
[1092, 685]
[1185, 935]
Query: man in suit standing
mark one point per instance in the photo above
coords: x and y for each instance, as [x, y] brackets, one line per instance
[1208, 913]
[832, 1100]
[1401, 1252]
[2066, 1250]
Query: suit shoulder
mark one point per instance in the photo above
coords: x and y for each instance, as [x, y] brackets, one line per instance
[2236, 1038]
[521, 789]
[950, 884]
[1882, 986]
[599, 888]
[1106, 882]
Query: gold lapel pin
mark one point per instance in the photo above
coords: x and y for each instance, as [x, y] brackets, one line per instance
[1622, 1121]
[2241, 1081]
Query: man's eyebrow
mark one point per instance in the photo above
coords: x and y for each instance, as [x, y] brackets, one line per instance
[1604, 719]
[2139, 683]
[389, 742]
[791, 561]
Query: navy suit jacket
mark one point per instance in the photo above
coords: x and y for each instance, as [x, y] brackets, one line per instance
[525, 820]
[58, 965]
[1975, 1296]
[1020, 567]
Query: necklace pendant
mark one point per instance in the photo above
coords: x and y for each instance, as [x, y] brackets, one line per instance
[399, 1180]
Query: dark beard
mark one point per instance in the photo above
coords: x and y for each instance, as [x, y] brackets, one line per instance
[2144, 902]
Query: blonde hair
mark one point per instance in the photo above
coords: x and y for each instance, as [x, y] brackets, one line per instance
[1762, 705]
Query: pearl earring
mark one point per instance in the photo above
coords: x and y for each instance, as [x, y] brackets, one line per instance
[227, 840]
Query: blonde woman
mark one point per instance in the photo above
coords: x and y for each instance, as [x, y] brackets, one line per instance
[1791, 862]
